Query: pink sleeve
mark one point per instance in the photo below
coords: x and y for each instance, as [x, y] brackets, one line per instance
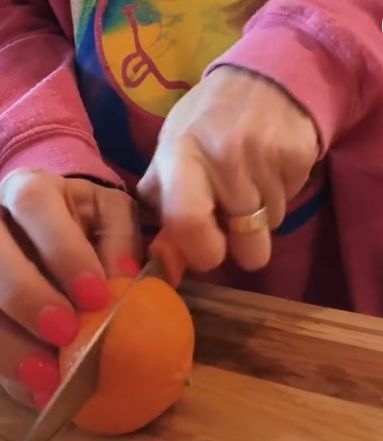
[327, 54]
[43, 123]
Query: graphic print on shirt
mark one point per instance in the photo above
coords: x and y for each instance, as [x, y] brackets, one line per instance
[136, 59]
[151, 52]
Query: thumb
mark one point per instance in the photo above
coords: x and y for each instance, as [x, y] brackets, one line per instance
[29, 370]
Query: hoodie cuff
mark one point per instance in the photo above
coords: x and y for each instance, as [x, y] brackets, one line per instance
[308, 72]
[60, 154]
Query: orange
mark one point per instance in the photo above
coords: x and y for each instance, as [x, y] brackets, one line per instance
[146, 357]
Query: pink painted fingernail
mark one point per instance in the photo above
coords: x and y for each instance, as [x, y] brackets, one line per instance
[129, 266]
[40, 373]
[91, 293]
[41, 399]
[58, 325]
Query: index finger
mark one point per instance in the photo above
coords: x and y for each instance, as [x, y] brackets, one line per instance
[188, 205]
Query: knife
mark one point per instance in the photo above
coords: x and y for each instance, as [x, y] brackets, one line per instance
[80, 384]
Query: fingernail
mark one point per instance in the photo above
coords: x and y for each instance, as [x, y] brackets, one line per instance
[40, 373]
[58, 325]
[129, 266]
[91, 293]
[41, 399]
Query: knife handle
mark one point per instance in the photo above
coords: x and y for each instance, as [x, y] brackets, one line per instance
[170, 257]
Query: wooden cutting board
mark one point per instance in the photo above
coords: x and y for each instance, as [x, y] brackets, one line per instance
[266, 370]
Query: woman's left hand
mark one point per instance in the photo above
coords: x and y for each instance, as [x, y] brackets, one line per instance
[235, 142]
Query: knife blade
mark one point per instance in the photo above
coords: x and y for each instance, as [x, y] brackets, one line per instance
[81, 382]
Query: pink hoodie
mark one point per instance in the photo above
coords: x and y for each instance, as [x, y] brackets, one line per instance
[327, 54]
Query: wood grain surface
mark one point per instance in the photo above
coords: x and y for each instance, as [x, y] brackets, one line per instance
[266, 370]
[225, 406]
[315, 349]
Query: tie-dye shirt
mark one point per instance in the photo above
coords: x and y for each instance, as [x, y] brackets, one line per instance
[135, 58]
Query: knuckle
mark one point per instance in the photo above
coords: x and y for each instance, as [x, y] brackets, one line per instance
[231, 149]
[25, 200]
[23, 191]
[227, 162]
[20, 175]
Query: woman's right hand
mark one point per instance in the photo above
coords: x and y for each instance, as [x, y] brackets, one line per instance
[60, 239]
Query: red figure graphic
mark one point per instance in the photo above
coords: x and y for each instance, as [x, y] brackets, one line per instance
[144, 60]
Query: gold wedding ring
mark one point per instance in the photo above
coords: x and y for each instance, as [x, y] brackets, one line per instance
[247, 224]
